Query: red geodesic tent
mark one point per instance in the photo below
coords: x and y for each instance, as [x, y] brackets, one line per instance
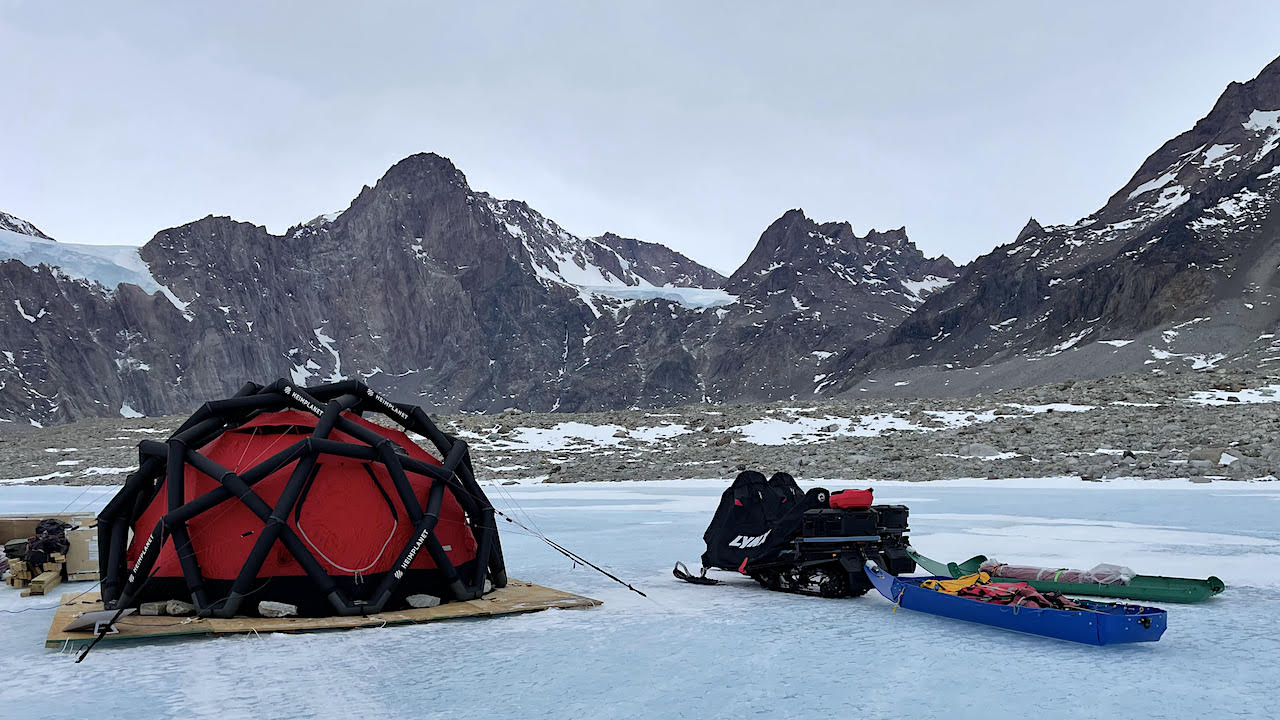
[288, 494]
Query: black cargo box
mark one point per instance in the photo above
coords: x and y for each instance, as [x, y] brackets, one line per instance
[896, 561]
[892, 517]
[839, 523]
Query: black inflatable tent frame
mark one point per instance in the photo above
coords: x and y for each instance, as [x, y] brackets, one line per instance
[165, 461]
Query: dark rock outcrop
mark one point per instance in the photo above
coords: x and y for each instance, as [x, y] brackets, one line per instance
[659, 264]
[20, 226]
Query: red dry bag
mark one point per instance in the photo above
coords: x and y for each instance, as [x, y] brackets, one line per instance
[851, 499]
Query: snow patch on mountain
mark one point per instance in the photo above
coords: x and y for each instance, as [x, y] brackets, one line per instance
[587, 265]
[924, 287]
[1155, 184]
[1265, 394]
[1260, 120]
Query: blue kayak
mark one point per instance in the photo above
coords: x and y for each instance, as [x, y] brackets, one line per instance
[1101, 624]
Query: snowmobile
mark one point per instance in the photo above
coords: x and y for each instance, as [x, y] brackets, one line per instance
[814, 542]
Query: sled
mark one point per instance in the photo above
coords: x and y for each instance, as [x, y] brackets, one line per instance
[1150, 588]
[1100, 624]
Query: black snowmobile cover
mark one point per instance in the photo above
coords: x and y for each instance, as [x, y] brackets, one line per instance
[756, 519]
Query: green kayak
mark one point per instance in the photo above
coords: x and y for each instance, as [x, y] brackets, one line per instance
[1155, 588]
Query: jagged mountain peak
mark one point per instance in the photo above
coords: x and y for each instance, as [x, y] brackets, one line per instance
[1240, 99]
[424, 165]
[1032, 229]
[798, 258]
[410, 187]
[15, 224]
[794, 236]
[210, 230]
[804, 245]
[660, 265]
[1238, 135]
[1217, 170]
[840, 230]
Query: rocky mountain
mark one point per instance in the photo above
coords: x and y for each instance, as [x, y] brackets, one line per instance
[807, 294]
[19, 226]
[660, 265]
[431, 290]
[1179, 265]
[437, 292]
[810, 292]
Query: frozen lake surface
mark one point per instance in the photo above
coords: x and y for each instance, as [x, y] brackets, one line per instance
[728, 651]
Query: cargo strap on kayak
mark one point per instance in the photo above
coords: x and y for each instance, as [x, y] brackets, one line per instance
[681, 571]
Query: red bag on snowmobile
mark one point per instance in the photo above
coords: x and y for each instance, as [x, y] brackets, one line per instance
[851, 499]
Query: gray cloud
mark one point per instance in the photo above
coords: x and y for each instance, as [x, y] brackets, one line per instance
[689, 124]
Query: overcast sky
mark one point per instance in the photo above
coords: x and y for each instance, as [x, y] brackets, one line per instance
[690, 124]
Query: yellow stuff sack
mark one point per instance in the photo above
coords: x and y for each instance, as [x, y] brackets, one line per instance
[952, 586]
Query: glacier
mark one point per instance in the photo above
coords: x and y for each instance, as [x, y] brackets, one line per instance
[108, 265]
[691, 297]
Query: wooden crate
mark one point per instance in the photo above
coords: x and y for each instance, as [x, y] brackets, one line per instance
[23, 525]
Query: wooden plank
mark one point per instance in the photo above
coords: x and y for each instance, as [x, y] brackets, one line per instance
[46, 581]
[132, 627]
[240, 625]
[528, 598]
[517, 597]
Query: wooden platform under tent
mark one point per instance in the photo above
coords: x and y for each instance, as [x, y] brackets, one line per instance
[517, 597]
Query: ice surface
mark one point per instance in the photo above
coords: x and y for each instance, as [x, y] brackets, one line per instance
[691, 297]
[730, 651]
[106, 264]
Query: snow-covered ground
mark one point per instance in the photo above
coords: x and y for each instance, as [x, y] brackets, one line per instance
[728, 651]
